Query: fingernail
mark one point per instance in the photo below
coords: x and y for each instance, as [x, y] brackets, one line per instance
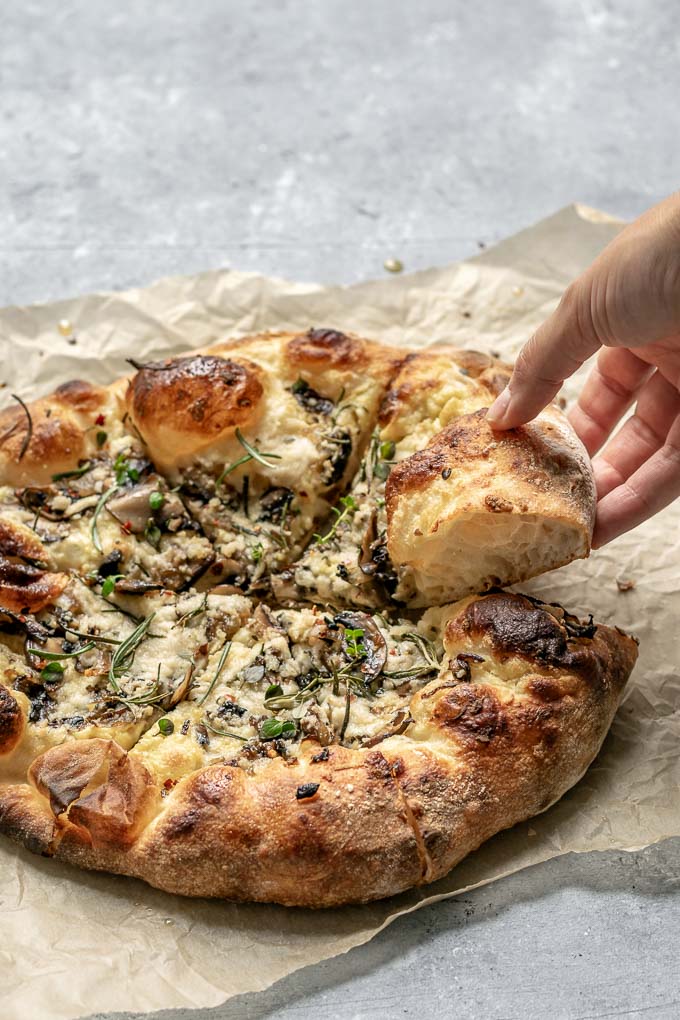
[498, 409]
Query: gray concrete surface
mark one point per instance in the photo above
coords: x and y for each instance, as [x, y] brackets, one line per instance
[313, 140]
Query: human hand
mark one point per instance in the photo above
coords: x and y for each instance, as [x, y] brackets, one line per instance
[627, 306]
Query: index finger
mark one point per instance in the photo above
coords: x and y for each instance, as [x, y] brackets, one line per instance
[556, 350]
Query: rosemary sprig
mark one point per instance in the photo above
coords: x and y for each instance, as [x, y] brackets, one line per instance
[124, 655]
[57, 656]
[430, 661]
[95, 638]
[220, 667]
[202, 607]
[252, 453]
[103, 500]
[224, 733]
[29, 427]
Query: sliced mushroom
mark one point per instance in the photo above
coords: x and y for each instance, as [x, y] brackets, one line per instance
[401, 722]
[373, 642]
[132, 586]
[182, 689]
[132, 508]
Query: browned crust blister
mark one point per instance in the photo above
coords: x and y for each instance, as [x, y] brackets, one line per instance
[520, 708]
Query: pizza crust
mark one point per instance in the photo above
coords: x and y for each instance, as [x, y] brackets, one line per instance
[513, 711]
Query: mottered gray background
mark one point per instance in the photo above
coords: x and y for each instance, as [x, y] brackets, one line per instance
[314, 140]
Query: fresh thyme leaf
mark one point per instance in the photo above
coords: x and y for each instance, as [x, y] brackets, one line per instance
[349, 506]
[271, 728]
[103, 500]
[354, 638]
[76, 473]
[273, 691]
[101, 437]
[29, 427]
[51, 672]
[166, 726]
[124, 655]
[156, 500]
[387, 449]
[220, 667]
[257, 552]
[109, 583]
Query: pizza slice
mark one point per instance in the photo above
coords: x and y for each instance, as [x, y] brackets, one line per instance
[85, 666]
[261, 436]
[80, 493]
[347, 562]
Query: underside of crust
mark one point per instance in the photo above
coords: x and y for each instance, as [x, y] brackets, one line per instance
[478, 551]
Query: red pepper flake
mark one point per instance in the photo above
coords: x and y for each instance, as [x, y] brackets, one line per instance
[100, 420]
[126, 527]
[169, 783]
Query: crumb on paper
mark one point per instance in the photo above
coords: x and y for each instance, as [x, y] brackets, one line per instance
[393, 265]
[625, 584]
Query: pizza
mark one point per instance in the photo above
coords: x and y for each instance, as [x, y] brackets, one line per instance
[256, 640]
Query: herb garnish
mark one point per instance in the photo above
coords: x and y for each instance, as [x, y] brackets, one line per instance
[76, 473]
[103, 500]
[124, 655]
[166, 726]
[220, 667]
[257, 552]
[56, 656]
[349, 506]
[430, 662]
[109, 583]
[252, 453]
[156, 500]
[272, 728]
[29, 428]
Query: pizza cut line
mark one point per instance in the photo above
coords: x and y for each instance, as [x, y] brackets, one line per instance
[254, 641]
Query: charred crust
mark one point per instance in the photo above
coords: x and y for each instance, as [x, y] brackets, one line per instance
[320, 348]
[81, 396]
[471, 712]
[201, 394]
[25, 588]
[11, 721]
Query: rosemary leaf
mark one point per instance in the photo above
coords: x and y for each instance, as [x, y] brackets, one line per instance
[220, 667]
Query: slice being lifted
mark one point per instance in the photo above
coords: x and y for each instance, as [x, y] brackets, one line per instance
[348, 562]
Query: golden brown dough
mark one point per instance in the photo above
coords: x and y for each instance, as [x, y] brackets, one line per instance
[155, 722]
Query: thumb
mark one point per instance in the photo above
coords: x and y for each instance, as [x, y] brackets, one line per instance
[557, 349]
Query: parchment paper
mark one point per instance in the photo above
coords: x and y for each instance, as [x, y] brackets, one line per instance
[74, 943]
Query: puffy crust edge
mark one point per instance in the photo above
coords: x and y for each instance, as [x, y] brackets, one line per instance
[369, 823]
